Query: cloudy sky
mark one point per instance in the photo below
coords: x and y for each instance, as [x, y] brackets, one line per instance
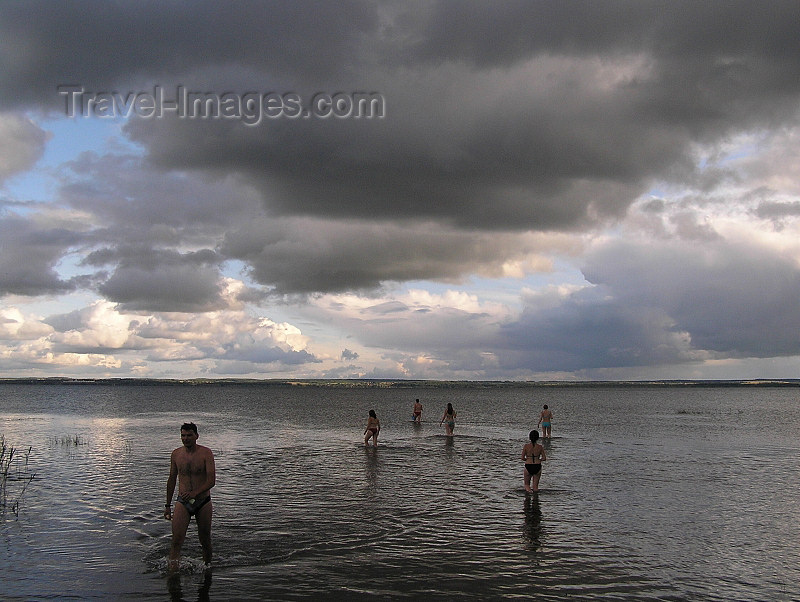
[561, 190]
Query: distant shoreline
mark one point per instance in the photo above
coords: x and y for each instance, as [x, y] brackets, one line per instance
[396, 384]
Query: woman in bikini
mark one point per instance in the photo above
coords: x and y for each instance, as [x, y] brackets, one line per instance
[449, 420]
[544, 419]
[373, 428]
[417, 412]
[533, 455]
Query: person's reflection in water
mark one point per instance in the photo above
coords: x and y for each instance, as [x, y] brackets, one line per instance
[532, 531]
[204, 593]
[449, 450]
[371, 466]
[176, 591]
[174, 587]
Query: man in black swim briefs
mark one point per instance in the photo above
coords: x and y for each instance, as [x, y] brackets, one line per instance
[192, 466]
[193, 505]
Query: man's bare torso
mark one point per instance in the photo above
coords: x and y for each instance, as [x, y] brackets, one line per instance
[192, 469]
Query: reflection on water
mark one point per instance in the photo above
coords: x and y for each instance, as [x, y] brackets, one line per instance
[646, 494]
[533, 523]
[176, 587]
[371, 464]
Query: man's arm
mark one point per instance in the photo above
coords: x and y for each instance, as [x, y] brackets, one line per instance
[211, 470]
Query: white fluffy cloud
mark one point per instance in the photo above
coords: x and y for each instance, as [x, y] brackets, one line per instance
[16, 326]
[101, 336]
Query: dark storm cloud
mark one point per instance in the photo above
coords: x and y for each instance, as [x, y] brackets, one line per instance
[740, 301]
[140, 220]
[504, 33]
[29, 254]
[108, 45]
[164, 288]
[510, 115]
[559, 124]
[162, 281]
[663, 304]
[590, 330]
[660, 304]
[133, 203]
[304, 256]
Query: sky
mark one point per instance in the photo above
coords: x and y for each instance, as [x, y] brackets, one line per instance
[503, 190]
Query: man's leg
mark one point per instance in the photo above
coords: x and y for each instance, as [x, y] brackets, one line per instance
[203, 518]
[180, 522]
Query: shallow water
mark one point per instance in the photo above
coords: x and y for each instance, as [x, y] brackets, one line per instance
[648, 493]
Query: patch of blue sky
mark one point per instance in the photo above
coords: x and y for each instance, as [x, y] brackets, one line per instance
[24, 191]
[47, 306]
[658, 191]
[742, 152]
[69, 137]
[238, 269]
[75, 135]
[69, 265]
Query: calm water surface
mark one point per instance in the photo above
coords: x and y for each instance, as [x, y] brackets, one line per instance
[648, 493]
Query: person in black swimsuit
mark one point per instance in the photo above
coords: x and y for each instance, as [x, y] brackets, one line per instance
[192, 466]
[373, 429]
[193, 505]
[533, 455]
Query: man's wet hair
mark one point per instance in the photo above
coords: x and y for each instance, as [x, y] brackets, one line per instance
[189, 426]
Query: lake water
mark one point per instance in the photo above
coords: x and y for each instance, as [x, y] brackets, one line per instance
[659, 493]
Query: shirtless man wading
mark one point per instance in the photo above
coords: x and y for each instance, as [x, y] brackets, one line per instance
[193, 467]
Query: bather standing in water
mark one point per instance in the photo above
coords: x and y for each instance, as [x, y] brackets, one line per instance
[449, 420]
[417, 411]
[192, 466]
[373, 428]
[545, 419]
[533, 455]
